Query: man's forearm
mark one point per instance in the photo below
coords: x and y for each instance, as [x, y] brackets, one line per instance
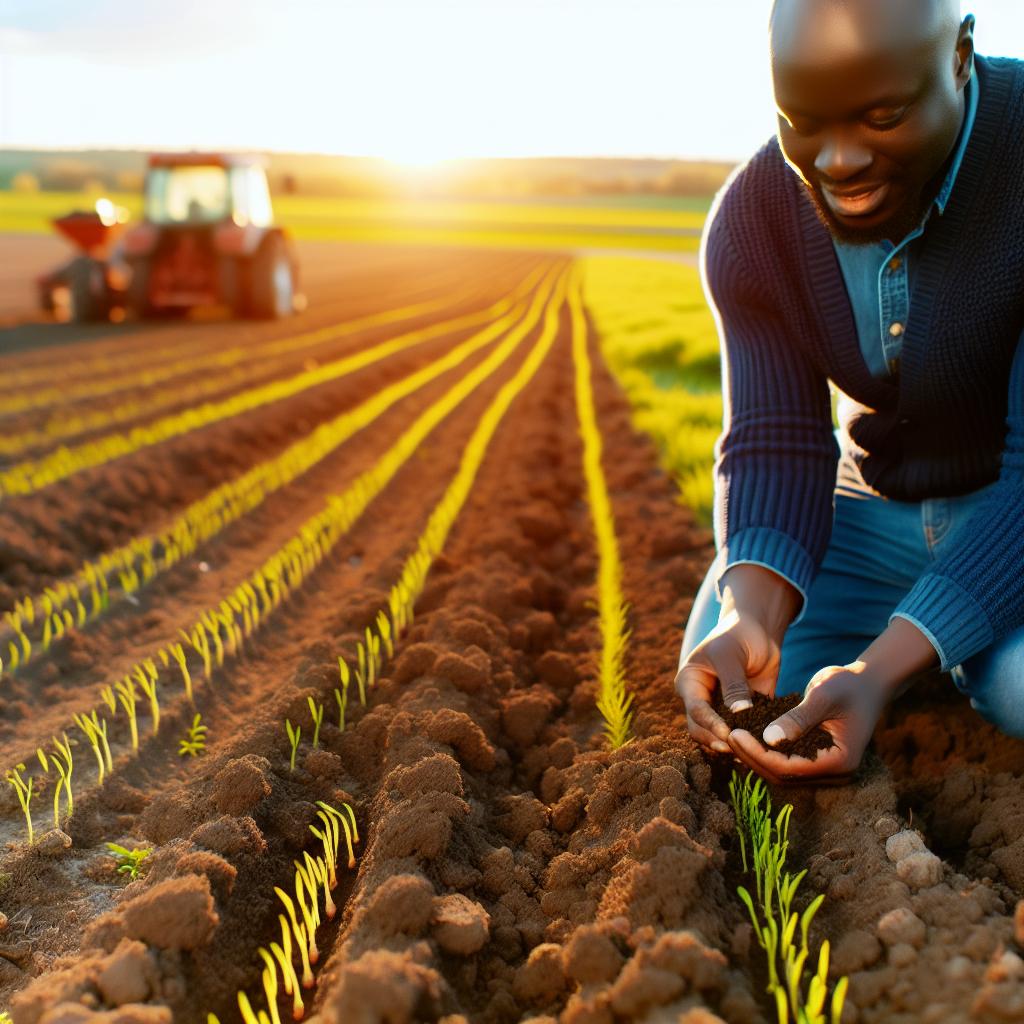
[899, 654]
[761, 593]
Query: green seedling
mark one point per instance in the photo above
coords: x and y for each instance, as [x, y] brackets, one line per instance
[63, 764]
[294, 733]
[24, 791]
[95, 729]
[108, 698]
[351, 832]
[212, 625]
[299, 931]
[371, 658]
[129, 861]
[283, 955]
[329, 838]
[198, 640]
[317, 870]
[270, 984]
[195, 742]
[384, 629]
[339, 699]
[309, 907]
[317, 712]
[178, 653]
[146, 674]
[361, 673]
[248, 1015]
[342, 696]
[764, 843]
[126, 695]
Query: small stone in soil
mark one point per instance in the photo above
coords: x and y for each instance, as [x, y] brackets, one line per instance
[765, 711]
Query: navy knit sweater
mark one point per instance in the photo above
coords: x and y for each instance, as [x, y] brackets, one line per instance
[950, 423]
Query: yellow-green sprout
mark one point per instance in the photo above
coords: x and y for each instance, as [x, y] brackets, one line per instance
[301, 941]
[24, 791]
[317, 713]
[147, 676]
[195, 742]
[126, 695]
[294, 733]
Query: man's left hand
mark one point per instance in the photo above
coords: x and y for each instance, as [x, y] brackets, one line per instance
[844, 700]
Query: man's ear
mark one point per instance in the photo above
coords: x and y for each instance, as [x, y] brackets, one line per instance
[965, 51]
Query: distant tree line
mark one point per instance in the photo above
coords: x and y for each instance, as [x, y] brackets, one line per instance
[331, 176]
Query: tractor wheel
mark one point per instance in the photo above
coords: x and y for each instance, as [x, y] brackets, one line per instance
[88, 299]
[138, 289]
[271, 282]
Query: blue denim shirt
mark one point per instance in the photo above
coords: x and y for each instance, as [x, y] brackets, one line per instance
[879, 277]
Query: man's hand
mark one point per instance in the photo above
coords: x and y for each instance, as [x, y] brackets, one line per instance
[846, 701]
[741, 654]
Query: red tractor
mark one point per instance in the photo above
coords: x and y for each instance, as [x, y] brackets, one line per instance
[207, 238]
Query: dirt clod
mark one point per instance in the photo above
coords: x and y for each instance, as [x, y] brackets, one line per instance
[460, 925]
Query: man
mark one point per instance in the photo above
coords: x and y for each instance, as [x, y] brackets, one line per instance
[877, 243]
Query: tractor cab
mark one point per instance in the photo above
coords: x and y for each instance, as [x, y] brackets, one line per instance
[207, 238]
[196, 194]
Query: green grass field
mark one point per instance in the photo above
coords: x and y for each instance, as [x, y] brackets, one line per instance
[664, 227]
[660, 342]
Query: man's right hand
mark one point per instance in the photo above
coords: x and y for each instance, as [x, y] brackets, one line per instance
[741, 654]
[742, 651]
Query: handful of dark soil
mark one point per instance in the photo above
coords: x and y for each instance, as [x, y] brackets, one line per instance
[766, 710]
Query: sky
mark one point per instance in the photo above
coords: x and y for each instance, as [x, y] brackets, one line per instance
[410, 80]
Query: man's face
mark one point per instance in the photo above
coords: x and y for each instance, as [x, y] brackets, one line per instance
[870, 102]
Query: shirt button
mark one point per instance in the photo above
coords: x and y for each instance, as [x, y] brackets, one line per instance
[895, 263]
[896, 329]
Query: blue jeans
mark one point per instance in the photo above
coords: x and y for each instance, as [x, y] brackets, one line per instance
[877, 550]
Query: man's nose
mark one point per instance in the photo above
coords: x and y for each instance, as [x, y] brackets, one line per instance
[841, 157]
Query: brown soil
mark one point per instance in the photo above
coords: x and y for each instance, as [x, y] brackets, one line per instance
[765, 711]
[511, 868]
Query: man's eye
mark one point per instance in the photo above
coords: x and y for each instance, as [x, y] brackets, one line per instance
[887, 118]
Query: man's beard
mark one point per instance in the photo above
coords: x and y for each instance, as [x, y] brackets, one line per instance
[894, 229]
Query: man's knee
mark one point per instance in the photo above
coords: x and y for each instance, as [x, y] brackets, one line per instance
[994, 681]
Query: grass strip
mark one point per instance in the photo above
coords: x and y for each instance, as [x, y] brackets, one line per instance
[613, 700]
[660, 342]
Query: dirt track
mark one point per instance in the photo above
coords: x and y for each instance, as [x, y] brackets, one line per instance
[510, 868]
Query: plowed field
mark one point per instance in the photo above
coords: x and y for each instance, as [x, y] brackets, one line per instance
[509, 866]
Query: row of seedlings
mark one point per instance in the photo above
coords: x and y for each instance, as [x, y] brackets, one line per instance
[613, 701]
[265, 359]
[379, 644]
[99, 377]
[221, 632]
[782, 932]
[32, 475]
[300, 920]
[37, 620]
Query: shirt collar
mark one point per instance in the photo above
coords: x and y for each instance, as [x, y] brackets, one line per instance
[971, 90]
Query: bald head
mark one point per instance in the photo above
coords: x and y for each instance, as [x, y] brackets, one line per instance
[825, 31]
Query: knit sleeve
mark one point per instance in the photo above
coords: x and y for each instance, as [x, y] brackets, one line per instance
[973, 594]
[776, 458]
